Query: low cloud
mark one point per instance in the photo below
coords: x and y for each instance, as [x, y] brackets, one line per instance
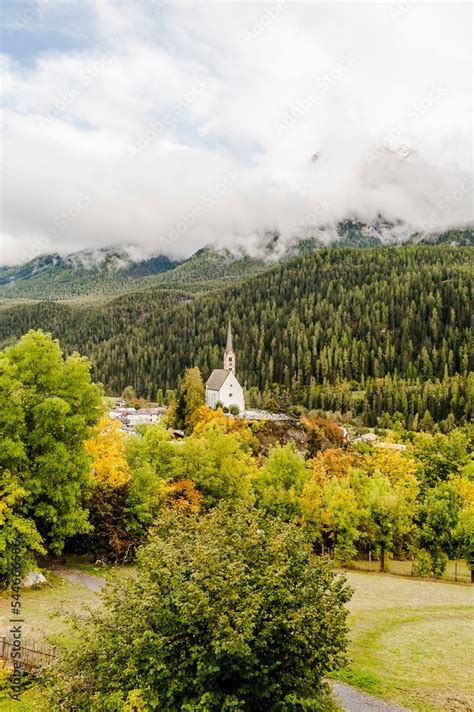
[132, 139]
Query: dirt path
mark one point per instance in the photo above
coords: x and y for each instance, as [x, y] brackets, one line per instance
[94, 583]
[353, 700]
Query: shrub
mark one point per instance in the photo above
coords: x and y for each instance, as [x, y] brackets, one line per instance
[229, 611]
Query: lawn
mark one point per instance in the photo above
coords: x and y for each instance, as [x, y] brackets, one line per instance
[47, 611]
[412, 641]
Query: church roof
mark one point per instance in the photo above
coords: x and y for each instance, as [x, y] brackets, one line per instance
[217, 378]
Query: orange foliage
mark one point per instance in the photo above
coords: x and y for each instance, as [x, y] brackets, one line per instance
[183, 496]
[334, 462]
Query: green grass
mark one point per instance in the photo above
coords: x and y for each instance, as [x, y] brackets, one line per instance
[47, 611]
[84, 564]
[32, 700]
[411, 641]
[405, 568]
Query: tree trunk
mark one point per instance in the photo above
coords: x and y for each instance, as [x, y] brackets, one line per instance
[382, 559]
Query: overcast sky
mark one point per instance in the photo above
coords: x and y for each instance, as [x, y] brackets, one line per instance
[170, 125]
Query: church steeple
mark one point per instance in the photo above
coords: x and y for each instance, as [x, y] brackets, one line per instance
[229, 355]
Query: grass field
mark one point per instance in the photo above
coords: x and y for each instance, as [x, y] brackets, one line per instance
[411, 640]
[455, 571]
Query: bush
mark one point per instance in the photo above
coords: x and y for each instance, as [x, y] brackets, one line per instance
[229, 611]
[427, 565]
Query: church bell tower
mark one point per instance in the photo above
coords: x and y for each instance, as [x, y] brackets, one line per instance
[229, 355]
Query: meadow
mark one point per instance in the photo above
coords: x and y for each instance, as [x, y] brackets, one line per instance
[411, 640]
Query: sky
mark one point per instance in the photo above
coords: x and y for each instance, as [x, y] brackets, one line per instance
[166, 126]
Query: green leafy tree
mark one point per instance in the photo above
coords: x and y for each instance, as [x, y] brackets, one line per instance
[465, 534]
[152, 449]
[281, 480]
[16, 529]
[440, 456]
[190, 399]
[129, 395]
[48, 408]
[229, 611]
[342, 516]
[438, 520]
[219, 463]
[388, 510]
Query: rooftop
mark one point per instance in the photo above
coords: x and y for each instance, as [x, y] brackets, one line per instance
[217, 378]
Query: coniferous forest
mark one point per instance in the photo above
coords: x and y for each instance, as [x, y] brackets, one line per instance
[381, 333]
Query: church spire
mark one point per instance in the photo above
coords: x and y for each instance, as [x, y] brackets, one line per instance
[229, 356]
[229, 338]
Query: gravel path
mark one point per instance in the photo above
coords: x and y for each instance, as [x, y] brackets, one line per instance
[354, 700]
[94, 583]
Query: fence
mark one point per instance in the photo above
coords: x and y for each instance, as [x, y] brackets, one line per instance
[456, 570]
[34, 657]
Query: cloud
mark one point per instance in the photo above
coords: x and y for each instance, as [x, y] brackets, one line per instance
[130, 137]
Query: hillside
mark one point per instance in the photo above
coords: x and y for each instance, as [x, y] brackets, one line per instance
[81, 273]
[108, 272]
[371, 331]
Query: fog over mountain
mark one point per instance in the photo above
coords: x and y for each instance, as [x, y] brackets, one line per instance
[169, 126]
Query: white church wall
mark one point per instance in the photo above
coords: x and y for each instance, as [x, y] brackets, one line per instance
[211, 398]
[231, 392]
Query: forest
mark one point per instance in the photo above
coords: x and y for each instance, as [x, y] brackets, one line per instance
[380, 334]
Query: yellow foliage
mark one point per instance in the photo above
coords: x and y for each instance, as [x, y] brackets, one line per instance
[397, 465]
[465, 489]
[205, 415]
[107, 448]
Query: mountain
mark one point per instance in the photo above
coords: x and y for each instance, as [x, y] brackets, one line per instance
[87, 272]
[109, 272]
[112, 271]
[371, 331]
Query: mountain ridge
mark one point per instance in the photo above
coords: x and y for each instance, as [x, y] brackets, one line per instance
[115, 270]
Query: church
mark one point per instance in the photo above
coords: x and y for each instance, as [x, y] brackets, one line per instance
[222, 386]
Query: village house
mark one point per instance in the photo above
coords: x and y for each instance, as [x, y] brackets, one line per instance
[146, 415]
